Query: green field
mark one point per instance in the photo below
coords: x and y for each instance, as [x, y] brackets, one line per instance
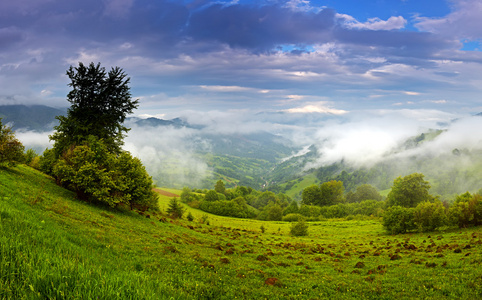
[54, 247]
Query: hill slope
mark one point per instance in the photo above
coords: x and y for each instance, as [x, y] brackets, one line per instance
[53, 246]
[35, 118]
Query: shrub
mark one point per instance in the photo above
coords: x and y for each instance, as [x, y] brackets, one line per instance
[35, 163]
[429, 216]
[398, 219]
[96, 174]
[29, 156]
[291, 209]
[292, 217]
[310, 211]
[190, 217]
[204, 219]
[175, 209]
[47, 161]
[275, 212]
[186, 195]
[466, 211]
[299, 228]
[211, 196]
[11, 149]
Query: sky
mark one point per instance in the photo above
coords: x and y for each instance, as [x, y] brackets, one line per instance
[206, 58]
[355, 78]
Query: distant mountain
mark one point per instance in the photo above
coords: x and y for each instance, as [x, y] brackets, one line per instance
[33, 117]
[155, 122]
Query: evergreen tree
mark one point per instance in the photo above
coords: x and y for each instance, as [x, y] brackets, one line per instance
[175, 209]
[219, 187]
[100, 102]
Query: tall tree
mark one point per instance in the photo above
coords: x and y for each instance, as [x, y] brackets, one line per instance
[332, 192]
[100, 102]
[311, 195]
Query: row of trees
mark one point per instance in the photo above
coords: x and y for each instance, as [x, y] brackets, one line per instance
[410, 207]
[332, 193]
[244, 202]
[466, 211]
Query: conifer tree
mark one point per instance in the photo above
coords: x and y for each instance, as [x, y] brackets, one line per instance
[100, 102]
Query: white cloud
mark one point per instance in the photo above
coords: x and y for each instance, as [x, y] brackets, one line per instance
[223, 88]
[373, 23]
[368, 137]
[168, 154]
[464, 22]
[38, 141]
[146, 116]
[437, 101]
[316, 108]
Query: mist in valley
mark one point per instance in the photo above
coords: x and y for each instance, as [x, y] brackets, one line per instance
[446, 148]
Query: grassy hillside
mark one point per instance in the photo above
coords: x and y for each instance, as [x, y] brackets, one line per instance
[55, 247]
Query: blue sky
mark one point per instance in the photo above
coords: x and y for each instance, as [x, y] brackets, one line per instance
[298, 57]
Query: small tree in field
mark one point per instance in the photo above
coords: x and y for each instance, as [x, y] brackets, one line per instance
[175, 209]
[11, 149]
[219, 187]
[299, 228]
[409, 191]
[399, 219]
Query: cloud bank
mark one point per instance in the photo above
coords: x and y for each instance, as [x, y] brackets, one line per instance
[222, 55]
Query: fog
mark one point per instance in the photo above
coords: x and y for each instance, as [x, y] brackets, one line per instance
[172, 155]
[169, 154]
[38, 141]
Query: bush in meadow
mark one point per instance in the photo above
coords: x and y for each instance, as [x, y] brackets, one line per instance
[429, 216]
[299, 228]
[398, 219]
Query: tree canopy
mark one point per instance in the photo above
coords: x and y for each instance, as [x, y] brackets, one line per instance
[11, 149]
[409, 191]
[362, 193]
[100, 102]
[98, 175]
[87, 155]
[328, 193]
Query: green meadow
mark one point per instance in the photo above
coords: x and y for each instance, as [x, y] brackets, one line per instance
[53, 246]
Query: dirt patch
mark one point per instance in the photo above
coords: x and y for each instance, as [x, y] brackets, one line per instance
[165, 193]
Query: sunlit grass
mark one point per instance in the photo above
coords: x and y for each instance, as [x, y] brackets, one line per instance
[53, 246]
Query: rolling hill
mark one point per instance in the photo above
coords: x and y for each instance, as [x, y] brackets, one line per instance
[56, 247]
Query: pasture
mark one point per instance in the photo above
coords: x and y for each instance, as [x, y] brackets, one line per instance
[53, 246]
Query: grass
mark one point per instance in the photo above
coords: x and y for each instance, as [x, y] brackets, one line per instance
[55, 247]
[295, 191]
